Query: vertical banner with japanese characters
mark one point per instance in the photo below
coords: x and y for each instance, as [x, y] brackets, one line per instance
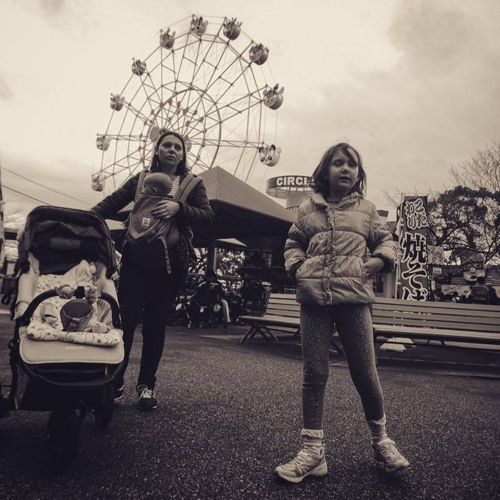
[413, 273]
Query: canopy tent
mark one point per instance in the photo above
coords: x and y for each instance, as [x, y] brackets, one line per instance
[242, 212]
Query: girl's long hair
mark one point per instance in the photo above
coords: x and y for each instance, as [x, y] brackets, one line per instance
[320, 183]
[182, 167]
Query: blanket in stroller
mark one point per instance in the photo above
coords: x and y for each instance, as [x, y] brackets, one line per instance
[46, 323]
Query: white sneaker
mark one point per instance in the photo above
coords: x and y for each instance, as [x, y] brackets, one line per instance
[306, 463]
[387, 454]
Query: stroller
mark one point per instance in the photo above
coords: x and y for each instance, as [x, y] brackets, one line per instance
[67, 344]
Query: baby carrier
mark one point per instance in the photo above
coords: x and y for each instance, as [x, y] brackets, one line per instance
[143, 228]
[67, 345]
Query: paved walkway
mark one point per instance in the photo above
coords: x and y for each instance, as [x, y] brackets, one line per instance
[229, 413]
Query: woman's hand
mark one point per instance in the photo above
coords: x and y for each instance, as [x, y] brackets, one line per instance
[374, 265]
[165, 209]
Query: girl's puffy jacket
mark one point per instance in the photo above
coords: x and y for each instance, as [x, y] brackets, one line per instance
[327, 246]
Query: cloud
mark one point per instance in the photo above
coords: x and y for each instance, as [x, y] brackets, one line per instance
[432, 109]
[5, 90]
[28, 182]
[52, 7]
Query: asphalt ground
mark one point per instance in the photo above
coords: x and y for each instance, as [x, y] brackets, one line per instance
[229, 413]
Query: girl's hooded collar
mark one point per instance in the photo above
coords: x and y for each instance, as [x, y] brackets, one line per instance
[319, 199]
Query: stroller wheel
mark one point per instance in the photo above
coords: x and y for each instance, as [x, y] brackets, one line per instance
[63, 435]
[104, 414]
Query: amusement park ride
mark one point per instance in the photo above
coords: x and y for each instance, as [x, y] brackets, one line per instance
[206, 80]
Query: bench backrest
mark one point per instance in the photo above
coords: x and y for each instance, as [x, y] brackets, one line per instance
[283, 304]
[447, 315]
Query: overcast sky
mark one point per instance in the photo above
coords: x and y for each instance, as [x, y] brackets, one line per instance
[413, 85]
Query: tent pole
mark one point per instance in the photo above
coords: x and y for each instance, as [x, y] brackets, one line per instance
[211, 255]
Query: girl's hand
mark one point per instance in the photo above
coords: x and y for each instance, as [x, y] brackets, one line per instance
[165, 209]
[374, 265]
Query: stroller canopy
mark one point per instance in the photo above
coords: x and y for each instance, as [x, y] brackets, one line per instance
[61, 237]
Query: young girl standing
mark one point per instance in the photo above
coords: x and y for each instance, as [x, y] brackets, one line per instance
[326, 253]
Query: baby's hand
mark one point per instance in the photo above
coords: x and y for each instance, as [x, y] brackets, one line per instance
[65, 291]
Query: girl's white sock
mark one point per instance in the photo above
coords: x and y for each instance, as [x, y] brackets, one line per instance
[377, 429]
[312, 439]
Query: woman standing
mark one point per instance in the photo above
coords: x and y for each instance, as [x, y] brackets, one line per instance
[149, 283]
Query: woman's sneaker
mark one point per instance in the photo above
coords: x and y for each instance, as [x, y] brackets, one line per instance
[147, 400]
[387, 454]
[306, 463]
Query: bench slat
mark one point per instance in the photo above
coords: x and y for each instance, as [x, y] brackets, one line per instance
[481, 324]
[437, 334]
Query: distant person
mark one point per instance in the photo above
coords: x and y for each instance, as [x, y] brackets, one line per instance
[146, 284]
[492, 296]
[479, 293]
[255, 259]
[208, 293]
[326, 254]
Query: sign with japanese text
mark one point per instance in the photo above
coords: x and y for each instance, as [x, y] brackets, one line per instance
[413, 273]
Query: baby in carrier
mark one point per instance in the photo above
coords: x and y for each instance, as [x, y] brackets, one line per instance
[143, 227]
[157, 184]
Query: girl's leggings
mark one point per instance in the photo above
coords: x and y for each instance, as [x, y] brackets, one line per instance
[354, 325]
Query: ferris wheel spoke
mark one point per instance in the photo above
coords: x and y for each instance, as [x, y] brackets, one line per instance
[230, 66]
[213, 67]
[230, 84]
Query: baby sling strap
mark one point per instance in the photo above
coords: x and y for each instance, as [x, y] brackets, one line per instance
[188, 183]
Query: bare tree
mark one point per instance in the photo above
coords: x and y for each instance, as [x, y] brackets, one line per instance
[481, 171]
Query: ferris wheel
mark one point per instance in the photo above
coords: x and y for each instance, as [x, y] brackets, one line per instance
[207, 81]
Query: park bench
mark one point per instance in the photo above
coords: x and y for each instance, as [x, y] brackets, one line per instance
[282, 314]
[441, 321]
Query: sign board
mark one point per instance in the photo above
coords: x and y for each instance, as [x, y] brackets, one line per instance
[414, 227]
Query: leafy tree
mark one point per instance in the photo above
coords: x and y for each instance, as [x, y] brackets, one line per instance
[463, 220]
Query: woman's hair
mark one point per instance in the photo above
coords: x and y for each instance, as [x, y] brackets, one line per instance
[182, 168]
[320, 182]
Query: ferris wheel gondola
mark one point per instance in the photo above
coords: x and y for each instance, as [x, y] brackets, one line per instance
[207, 81]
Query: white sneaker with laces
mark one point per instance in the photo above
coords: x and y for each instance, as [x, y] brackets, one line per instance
[387, 454]
[307, 463]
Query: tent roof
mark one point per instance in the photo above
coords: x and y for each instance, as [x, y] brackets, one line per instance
[242, 212]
